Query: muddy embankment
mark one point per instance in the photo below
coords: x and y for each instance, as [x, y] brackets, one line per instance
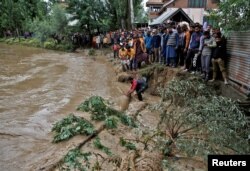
[143, 138]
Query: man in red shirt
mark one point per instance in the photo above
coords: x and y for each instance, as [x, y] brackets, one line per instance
[138, 85]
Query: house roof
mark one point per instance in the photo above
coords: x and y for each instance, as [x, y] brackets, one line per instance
[168, 15]
[166, 5]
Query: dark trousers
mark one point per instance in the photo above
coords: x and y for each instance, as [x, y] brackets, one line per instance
[180, 56]
[140, 90]
[189, 58]
[132, 64]
[116, 52]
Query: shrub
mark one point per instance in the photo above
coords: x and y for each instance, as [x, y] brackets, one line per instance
[198, 122]
[49, 45]
[92, 52]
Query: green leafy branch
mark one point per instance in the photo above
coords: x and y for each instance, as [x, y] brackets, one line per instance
[100, 111]
[70, 126]
[75, 159]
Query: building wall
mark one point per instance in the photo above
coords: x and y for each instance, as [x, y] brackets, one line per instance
[179, 4]
[196, 14]
[211, 4]
[153, 15]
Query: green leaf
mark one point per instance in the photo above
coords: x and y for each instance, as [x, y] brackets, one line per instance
[71, 126]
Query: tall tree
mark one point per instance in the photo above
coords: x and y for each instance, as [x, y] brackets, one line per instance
[232, 15]
[16, 14]
[120, 10]
[54, 24]
[91, 14]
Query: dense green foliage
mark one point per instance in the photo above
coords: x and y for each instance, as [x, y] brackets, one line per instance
[16, 14]
[45, 18]
[198, 122]
[104, 15]
[232, 15]
[71, 126]
[99, 109]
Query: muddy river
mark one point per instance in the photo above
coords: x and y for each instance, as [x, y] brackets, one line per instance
[37, 88]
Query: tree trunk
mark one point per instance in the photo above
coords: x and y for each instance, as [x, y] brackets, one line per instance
[17, 32]
[123, 23]
[132, 13]
[128, 16]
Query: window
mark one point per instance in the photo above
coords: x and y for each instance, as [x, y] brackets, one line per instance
[197, 3]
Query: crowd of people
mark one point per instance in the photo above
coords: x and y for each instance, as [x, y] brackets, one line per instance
[193, 47]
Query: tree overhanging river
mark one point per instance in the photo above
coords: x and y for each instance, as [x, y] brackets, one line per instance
[37, 88]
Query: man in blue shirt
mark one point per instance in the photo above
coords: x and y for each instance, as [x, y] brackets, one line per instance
[193, 48]
[156, 44]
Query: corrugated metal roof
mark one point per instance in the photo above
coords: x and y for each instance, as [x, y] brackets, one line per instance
[238, 48]
[163, 17]
[168, 15]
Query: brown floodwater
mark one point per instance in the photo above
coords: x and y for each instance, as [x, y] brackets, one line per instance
[37, 88]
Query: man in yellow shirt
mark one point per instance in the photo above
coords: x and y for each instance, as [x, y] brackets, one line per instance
[131, 57]
[123, 56]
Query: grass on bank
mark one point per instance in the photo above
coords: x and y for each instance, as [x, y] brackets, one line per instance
[34, 42]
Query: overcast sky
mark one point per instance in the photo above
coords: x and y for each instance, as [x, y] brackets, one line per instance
[144, 4]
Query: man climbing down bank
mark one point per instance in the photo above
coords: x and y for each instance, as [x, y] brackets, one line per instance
[138, 85]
